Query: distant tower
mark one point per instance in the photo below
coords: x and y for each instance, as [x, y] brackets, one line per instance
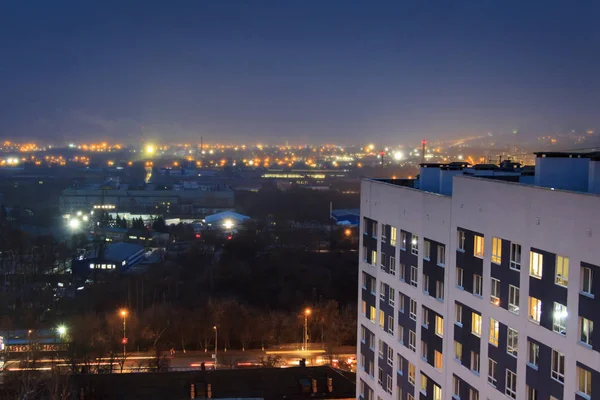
[423, 143]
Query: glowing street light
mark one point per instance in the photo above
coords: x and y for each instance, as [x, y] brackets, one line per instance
[228, 224]
[61, 330]
[74, 223]
[150, 149]
[348, 232]
[216, 343]
[124, 313]
[398, 156]
[307, 312]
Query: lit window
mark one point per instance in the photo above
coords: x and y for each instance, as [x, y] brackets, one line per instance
[495, 294]
[437, 392]
[496, 250]
[558, 366]
[460, 240]
[438, 359]
[414, 243]
[411, 373]
[562, 271]
[458, 314]
[393, 236]
[536, 261]
[426, 249]
[373, 314]
[403, 240]
[533, 353]
[374, 257]
[478, 250]
[584, 381]
[586, 328]
[458, 350]
[455, 386]
[423, 383]
[439, 290]
[476, 324]
[413, 310]
[475, 362]
[441, 255]
[439, 326]
[559, 319]
[492, 367]
[535, 309]
[513, 299]
[512, 342]
[515, 256]
[477, 285]
[494, 331]
[586, 280]
[413, 275]
[412, 340]
[511, 384]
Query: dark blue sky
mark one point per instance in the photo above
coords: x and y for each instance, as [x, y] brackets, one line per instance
[295, 70]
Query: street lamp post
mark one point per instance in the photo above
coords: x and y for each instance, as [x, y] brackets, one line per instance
[306, 314]
[216, 344]
[124, 313]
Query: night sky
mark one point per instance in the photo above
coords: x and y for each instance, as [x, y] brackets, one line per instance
[320, 71]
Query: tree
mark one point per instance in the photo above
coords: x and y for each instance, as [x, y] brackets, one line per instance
[159, 225]
[138, 224]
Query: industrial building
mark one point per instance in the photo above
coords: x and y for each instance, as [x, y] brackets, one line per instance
[482, 282]
[187, 197]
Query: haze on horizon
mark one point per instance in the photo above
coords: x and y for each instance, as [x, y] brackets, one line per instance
[310, 71]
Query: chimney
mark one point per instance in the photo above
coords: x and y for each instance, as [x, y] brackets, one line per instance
[566, 171]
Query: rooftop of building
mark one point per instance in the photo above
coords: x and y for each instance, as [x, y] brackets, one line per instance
[121, 250]
[264, 383]
[565, 171]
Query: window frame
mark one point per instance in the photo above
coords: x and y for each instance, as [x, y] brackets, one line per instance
[412, 340]
[439, 325]
[512, 342]
[412, 312]
[392, 265]
[476, 327]
[587, 289]
[587, 381]
[492, 371]
[496, 250]
[533, 354]
[555, 370]
[495, 291]
[510, 389]
[515, 256]
[494, 335]
[583, 322]
[559, 324]
[478, 246]
[538, 314]
[561, 271]
[458, 309]
[441, 255]
[414, 276]
[516, 292]
[460, 240]
[414, 245]
[460, 278]
[478, 285]
[536, 264]
[426, 250]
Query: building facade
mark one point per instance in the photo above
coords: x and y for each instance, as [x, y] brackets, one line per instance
[490, 293]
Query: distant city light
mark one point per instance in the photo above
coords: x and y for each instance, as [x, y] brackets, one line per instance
[74, 223]
[61, 330]
[150, 149]
[398, 156]
[228, 224]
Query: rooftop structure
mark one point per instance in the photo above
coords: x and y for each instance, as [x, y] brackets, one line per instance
[482, 285]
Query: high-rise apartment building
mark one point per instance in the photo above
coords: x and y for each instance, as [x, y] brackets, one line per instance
[482, 283]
